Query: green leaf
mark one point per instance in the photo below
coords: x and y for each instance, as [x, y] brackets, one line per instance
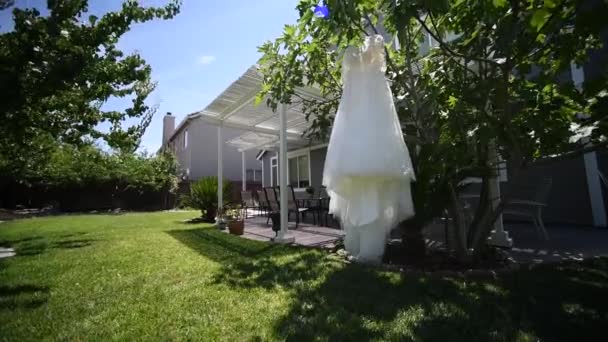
[258, 99]
[290, 30]
[550, 3]
[452, 101]
[499, 3]
[539, 18]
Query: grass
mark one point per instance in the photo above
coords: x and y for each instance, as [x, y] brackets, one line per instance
[150, 276]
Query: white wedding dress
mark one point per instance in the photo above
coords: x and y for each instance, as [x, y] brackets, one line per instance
[368, 170]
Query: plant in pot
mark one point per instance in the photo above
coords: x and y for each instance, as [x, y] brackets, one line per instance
[203, 196]
[234, 216]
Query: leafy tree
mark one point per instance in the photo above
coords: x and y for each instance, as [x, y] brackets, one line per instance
[4, 4]
[495, 86]
[56, 71]
[87, 165]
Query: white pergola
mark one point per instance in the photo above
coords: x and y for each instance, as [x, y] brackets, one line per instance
[265, 129]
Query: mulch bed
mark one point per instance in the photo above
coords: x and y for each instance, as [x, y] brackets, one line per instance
[440, 262]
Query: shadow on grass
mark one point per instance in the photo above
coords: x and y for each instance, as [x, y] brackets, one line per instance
[38, 245]
[71, 244]
[69, 235]
[334, 301]
[10, 243]
[219, 248]
[196, 220]
[25, 296]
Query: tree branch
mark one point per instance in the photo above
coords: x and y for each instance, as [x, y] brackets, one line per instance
[446, 48]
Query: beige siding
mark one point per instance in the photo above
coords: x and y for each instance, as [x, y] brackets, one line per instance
[200, 156]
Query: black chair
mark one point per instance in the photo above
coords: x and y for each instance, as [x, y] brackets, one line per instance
[248, 201]
[293, 206]
[272, 202]
[261, 201]
[272, 196]
[323, 209]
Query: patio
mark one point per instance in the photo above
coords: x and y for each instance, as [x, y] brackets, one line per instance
[306, 234]
[566, 242]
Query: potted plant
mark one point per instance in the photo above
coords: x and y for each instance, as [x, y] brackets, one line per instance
[234, 216]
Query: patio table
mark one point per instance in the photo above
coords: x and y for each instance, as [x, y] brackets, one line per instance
[315, 205]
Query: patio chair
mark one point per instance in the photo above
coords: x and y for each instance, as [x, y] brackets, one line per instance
[272, 201]
[533, 208]
[248, 201]
[293, 206]
[323, 209]
[260, 198]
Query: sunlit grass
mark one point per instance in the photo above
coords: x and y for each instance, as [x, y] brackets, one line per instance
[150, 276]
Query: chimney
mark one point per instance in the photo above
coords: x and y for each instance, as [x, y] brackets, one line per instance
[168, 127]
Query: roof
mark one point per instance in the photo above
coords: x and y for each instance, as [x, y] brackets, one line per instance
[181, 125]
[235, 107]
[260, 154]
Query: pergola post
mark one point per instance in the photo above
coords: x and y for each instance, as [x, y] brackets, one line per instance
[243, 174]
[220, 171]
[592, 172]
[499, 236]
[282, 234]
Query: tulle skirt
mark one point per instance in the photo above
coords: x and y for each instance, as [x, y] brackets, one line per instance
[368, 209]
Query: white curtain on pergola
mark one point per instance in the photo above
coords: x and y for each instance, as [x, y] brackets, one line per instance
[265, 129]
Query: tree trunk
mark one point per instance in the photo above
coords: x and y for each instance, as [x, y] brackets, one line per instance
[459, 226]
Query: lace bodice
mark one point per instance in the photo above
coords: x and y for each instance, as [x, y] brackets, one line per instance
[369, 57]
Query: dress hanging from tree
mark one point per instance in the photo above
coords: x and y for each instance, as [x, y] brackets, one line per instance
[368, 170]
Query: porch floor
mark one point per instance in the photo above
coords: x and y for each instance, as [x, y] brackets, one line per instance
[566, 242]
[306, 234]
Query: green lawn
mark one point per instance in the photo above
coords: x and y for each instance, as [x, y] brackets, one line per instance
[151, 277]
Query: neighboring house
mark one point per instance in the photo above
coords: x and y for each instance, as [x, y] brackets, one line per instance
[194, 143]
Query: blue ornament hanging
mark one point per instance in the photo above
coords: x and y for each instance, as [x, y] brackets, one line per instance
[321, 11]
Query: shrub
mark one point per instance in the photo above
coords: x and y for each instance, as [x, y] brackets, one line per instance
[87, 177]
[203, 196]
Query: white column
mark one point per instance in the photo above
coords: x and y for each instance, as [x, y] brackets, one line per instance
[498, 237]
[244, 173]
[282, 234]
[263, 175]
[220, 171]
[596, 198]
[592, 172]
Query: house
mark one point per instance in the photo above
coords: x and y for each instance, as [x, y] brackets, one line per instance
[195, 144]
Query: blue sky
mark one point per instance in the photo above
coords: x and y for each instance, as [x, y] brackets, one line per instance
[197, 54]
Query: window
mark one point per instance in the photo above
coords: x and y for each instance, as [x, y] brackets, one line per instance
[298, 171]
[185, 138]
[257, 176]
[254, 175]
[274, 171]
